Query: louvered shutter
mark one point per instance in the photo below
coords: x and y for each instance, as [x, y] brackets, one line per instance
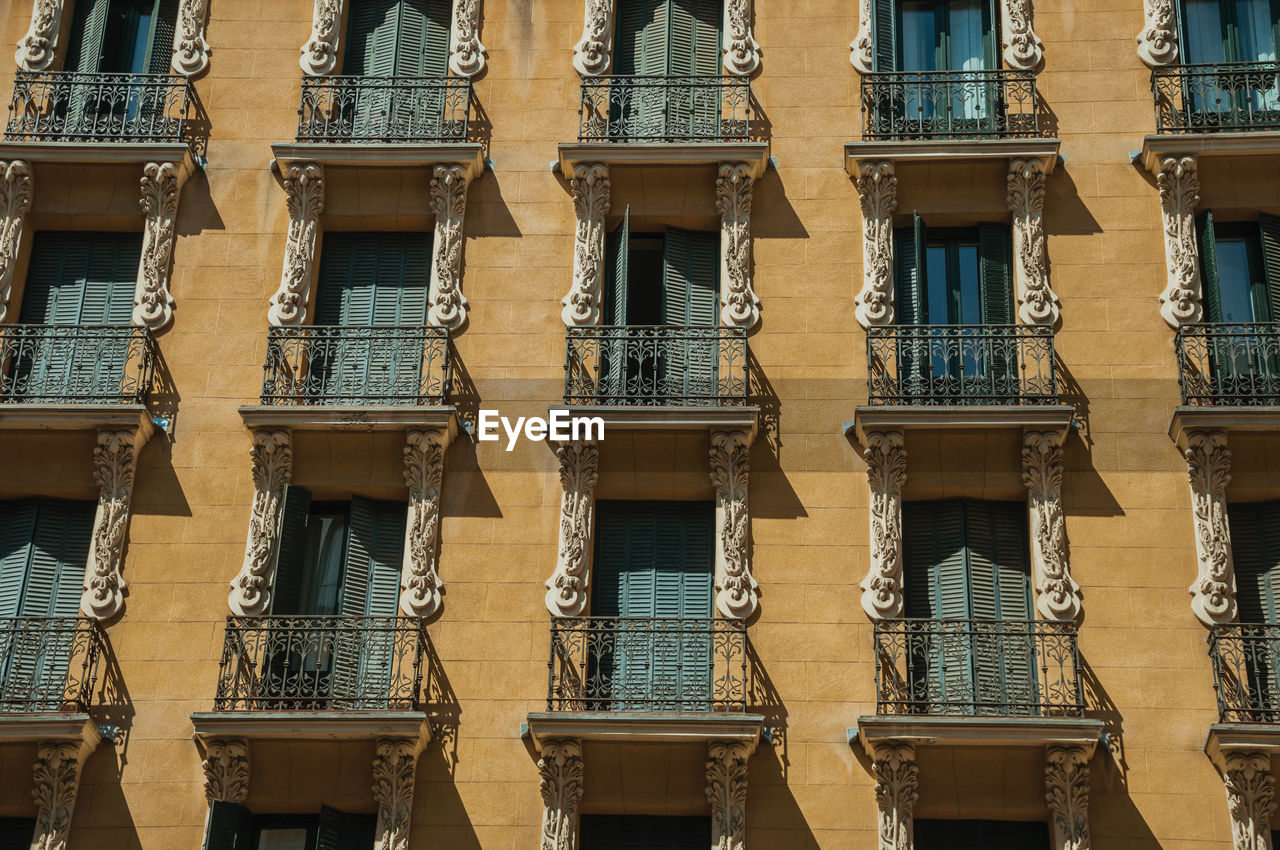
[108, 300]
[1269, 229]
[88, 29]
[998, 375]
[884, 21]
[291, 552]
[690, 298]
[17, 532]
[634, 677]
[936, 588]
[230, 827]
[341, 831]
[913, 367]
[400, 299]
[1000, 589]
[160, 45]
[639, 110]
[370, 589]
[612, 363]
[683, 590]
[693, 50]
[1209, 267]
[439, 14]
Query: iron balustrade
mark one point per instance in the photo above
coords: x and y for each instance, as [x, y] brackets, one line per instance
[675, 110]
[69, 106]
[384, 110]
[998, 668]
[1221, 97]
[75, 364]
[961, 364]
[371, 365]
[647, 664]
[1246, 672]
[913, 105]
[322, 663]
[645, 365]
[48, 664]
[1229, 365]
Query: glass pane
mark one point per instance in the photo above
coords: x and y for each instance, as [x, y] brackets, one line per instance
[967, 53]
[326, 543]
[282, 839]
[919, 36]
[1257, 38]
[969, 310]
[1235, 280]
[1204, 31]
[937, 310]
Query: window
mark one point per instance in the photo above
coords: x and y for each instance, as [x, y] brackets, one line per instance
[946, 35]
[1216, 31]
[981, 835]
[1255, 547]
[122, 36]
[398, 38]
[233, 827]
[644, 832]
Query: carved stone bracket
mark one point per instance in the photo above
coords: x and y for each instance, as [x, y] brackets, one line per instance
[1213, 595]
[272, 455]
[57, 783]
[1251, 797]
[1057, 594]
[590, 185]
[592, 54]
[1037, 303]
[579, 471]
[395, 764]
[894, 764]
[878, 196]
[15, 203]
[190, 50]
[739, 306]
[1023, 49]
[38, 49]
[1158, 41]
[741, 52]
[447, 307]
[860, 47]
[304, 190]
[1066, 790]
[152, 302]
[420, 583]
[736, 588]
[226, 770]
[466, 53]
[727, 794]
[1179, 187]
[560, 769]
[114, 461]
[320, 53]
[886, 457]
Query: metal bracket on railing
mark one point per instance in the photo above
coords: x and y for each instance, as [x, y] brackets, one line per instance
[109, 732]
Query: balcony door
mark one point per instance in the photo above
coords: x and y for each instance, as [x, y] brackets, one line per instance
[1252, 659]
[393, 45]
[122, 36]
[1226, 33]
[967, 570]
[652, 578]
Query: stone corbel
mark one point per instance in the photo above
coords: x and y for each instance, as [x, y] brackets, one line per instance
[1251, 797]
[152, 301]
[15, 203]
[57, 783]
[1213, 595]
[727, 794]
[886, 457]
[1037, 303]
[878, 196]
[320, 53]
[38, 49]
[190, 50]
[894, 765]
[1066, 791]
[592, 54]
[579, 471]
[736, 588]
[466, 53]
[304, 191]
[1023, 49]
[226, 770]
[590, 186]
[1158, 41]
[114, 462]
[1057, 594]
[395, 765]
[860, 47]
[739, 306]
[448, 306]
[560, 771]
[1179, 187]
[272, 455]
[420, 584]
[741, 52]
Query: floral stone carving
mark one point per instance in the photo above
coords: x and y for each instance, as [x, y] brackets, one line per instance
[272, 455]
[590, 185]
[739, 306]
[878, 196]
[114, 461]
[1179, 187]
[420, 584]
[886, 457]
[304, 191]
[15, 203]
[560, 771]
[736, 587]
[1213, 596]
[579, 471]
[446, 305]
[1057, 594]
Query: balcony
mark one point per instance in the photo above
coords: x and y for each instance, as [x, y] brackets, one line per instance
[1246, 680]
[1229, 375]
[49, 670]
[67, 106]
[385, 110]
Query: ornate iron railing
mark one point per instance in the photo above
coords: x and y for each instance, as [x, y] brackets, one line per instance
[1222, 97]
[384, 109]
[337, 365]
[665, 109]
[961, 364]
[643, 366]
[913, 105]
[1246, 672]
[68, 106]
[48, 664]
[322, 663]
[1229, 364]
[1001, 668]
[75, 364]
[647, 664]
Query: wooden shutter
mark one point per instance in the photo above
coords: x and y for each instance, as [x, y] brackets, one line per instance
[291, 552]
[160, 45]
[935, 575]
[88, 29]
[341, 831]
[693, 38]
[884, 21]
[909, 259]
[1269, 232]
[372, 36]
[994, 281]
[435, 48]
[1209, 267]
[230, 827]
[618, 252]
[640, 23]
[59, 554]
[690, 298]
[17, 531]
[1255, 547]
[370, 588]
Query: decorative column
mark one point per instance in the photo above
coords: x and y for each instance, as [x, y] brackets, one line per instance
[1213, 595]
[1158, 41]
[152, 301]
[886, 457]
[1251, 797]
[226, 771]
[420, 583]
[579, 471]
[727, 794]
[560, 768]
[304, 191]
[57, 782]
[590, 185]
[114, 461]
[1066, 790]
[466, 53]
[272, 455]
[320, 53]
[190, 50]
[741, 53]
[894, 764]
[591, 55]
[1023, 49]
[15, 203]
[38, 49]
[860, 47]
[1179, 193]
[878, 196]
[395, 763]
[447, 307]
[739, 306]
[1037, 303]
[736, 596]
[1057, 594]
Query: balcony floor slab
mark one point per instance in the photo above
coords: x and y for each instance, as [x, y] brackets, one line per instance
[644, 727]
[100, 153]
[1226, 737]
[755, 154]
[891, 417]
[52, 727]
[1251, 418]
[1157, 146]
[948, 150]
[370, 417]
[74, 417]
[311, 725]
[381, 155]
[976, 731]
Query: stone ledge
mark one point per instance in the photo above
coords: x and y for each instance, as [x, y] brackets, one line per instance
[755, 154]
[1186, 419]
[388, 155]
[51, 727]
[977, 731]
[75, 417]
[646, 727]
[948, 150]
[400, 417]
[311, 725]
[888, 417]
[101, 153]
[1206, 144]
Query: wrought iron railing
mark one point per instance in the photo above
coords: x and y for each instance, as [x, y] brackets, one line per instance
[1221, 97]
[322, 663]
[384, 109]
[48, 664]
[647, 664]
[1229, 365]
[913, 105]
[1001, 668]
[69, 106]
[75, 364]
[338, 365]
[961, 364]
[1246, 672]
[644, 366]
[666, 109]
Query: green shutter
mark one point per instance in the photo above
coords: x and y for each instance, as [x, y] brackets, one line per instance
[618, 251]
[88, 29]
[160, 46]
[370, 588]
[635, 45]
[435, 46]
[1209, 267]
[58, 558]
[1269, 228]
[690, 298]
[373, 32]
[692, 49]
[994, 281]
[884, 21]
[936, 584]
[341, 831]
[908, 258]
[17, 531]
[1255, 548]
[81, 278]
[291, 552]
[230, 827]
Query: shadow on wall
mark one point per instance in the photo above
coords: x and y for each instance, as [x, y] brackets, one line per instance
[772, 216]
[441, 813]
[100, 796]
